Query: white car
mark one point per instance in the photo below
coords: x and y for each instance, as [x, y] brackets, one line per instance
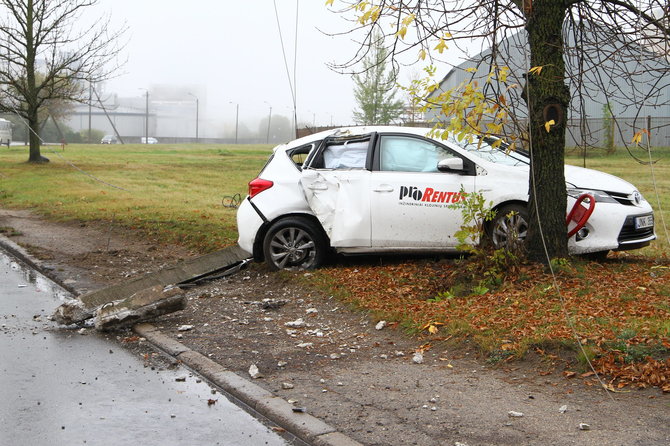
[149, 140]
[389, 189]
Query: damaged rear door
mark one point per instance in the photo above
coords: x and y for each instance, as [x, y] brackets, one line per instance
[336, 184]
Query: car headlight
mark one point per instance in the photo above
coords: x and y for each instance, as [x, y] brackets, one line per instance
[599, 195]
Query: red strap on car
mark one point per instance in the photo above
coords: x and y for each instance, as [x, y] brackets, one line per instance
[579, 214]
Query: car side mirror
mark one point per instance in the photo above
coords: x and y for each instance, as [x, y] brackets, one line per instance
[450, 164]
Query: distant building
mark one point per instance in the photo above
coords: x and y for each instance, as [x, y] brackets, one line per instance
[630, 100]
[171, 113]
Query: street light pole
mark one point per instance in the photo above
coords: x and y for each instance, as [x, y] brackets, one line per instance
[267, 138]
[146, 117]
[237, 115]
[197, 112]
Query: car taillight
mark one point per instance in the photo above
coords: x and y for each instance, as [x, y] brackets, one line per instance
[258, 185]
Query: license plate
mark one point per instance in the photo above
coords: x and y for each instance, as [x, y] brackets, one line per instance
[646, 221]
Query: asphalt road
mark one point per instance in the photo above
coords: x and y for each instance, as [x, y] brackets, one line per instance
[58, 387]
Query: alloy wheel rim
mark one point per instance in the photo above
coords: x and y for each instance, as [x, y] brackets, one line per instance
[292, 248]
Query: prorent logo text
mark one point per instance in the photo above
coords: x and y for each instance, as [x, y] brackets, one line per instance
[430, 195]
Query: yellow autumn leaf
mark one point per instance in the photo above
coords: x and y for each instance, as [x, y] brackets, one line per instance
[535, 70]
[471, 70]
[329, 2]
[441, 46]
[401, 32]
[407, 20]
[422, 54]
[548, 124]
[637, 138]
[433, 329]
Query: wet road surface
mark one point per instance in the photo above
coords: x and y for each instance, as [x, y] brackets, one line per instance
[58, 387]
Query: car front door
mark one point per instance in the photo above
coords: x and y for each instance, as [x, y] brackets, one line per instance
[411, 201]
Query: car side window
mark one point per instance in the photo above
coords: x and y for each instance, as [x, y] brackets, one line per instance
[347, 155]
[299, 154]
[403, 154]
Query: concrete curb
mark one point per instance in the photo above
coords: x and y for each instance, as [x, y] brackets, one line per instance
[20, 253]
[304, 426]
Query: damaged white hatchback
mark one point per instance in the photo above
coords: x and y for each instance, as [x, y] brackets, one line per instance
[390, 189]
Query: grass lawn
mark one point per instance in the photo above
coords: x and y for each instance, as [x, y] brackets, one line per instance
[173, 192]
[620, 309]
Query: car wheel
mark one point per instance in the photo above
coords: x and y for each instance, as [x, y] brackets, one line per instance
[509, 228]
[295, 244]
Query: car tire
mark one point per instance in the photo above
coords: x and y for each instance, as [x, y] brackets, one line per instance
[295, 243]
[509, 228]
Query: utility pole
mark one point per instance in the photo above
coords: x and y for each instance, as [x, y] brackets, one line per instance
[267, 137]
[197, 111]
[146, 117]
[90, 101]
[237, 115]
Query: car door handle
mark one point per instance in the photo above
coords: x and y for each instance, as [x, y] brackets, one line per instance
[317, 186]
[383, 188]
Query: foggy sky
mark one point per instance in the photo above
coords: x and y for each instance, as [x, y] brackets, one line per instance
[230, 51]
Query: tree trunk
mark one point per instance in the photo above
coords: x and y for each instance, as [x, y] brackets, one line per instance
[548, 98]
[32, 108]
[35, 155]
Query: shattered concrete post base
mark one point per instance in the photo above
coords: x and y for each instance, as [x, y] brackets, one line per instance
[143, 305]
[72, 311]
[87, 305]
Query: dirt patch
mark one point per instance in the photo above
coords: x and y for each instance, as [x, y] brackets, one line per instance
[366, 382]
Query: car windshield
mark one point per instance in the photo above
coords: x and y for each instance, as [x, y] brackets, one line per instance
[499, 155]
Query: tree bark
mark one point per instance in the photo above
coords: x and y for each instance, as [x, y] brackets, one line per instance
[548, 98]
[31, 96]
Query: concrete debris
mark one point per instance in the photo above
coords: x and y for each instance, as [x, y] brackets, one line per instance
[254, 372]
[272, 304]
[185, 328]
[87, 305]
[142, 305]
[298, 323]
[282, 364]
[311, 311]
[287, 386]
[380, 325]
[335, 356]
[72, 311]
[305, 344]
[584, 427]
[563, 408]
[417, 358]
[514, 414]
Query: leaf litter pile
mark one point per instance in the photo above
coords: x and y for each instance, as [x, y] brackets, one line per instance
[618, 309]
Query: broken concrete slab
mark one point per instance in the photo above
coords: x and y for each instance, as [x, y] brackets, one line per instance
[72, 312]
[143, 305]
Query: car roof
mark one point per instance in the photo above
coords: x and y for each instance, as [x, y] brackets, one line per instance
[353, 131]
